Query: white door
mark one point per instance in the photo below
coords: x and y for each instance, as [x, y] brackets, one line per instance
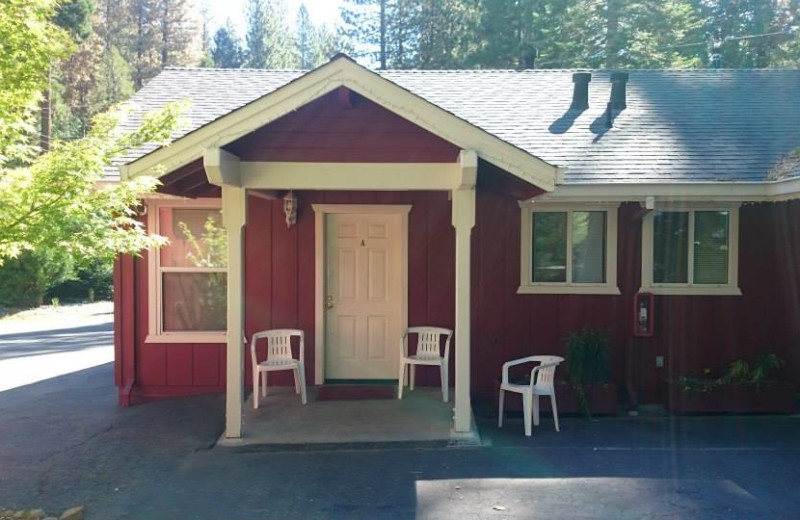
[363, 299]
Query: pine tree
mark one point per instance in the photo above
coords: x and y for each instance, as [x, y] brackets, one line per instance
[142, 46]
[364, 25]
[256, 36]
[446, 33]
[178, 31]
[327, 43]
[750, 33]
[227, 52]
[305, 38]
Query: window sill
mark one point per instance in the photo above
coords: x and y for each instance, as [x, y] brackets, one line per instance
[188, 337]
[568, 289]
[693, 291]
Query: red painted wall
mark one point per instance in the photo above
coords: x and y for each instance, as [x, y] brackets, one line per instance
[692, 332]
[326, 131]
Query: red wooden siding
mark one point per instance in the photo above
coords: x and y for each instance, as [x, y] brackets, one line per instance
[279, 265]
[692, 332]
[326, 131]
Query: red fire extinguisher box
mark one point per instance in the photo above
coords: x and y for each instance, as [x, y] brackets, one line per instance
[643, 314]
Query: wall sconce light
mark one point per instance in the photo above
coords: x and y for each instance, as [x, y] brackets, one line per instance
[290, 208]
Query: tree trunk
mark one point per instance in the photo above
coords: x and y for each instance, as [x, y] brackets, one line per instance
[612, 33]
[47, 118]
[383, 35]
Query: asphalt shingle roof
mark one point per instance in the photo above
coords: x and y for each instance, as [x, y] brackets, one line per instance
[679, 125]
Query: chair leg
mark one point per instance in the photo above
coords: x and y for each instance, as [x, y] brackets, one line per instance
[527, 412]
[296, 372]
[413, 375]
[302, 382]
[443, 371]
[255, 389]
[401, 380]
[535, 410]
[263, 384]
[555, 410]
[500, 408]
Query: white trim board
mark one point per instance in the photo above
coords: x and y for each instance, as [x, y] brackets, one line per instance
[528, 286]
[154, 307]
[342, 71]
[320, 211]
[767, 191]
[728, 289]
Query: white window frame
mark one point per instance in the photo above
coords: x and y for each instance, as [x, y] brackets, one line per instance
[156, 334]
[528, 286]
[728, 289]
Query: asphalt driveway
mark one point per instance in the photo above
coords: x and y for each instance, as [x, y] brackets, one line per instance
[64, 442]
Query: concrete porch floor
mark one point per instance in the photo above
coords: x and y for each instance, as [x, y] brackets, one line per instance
[421, 418]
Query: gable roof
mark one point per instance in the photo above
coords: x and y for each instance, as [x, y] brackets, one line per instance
[679, 125]
[214, 128]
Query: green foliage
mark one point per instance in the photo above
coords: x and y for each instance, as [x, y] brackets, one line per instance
[55, 203]
[76, 17]
[27, 277]
[227, 52]
[739, 373]
[91, 281]
[269, 44]
[587, 357]
[29, 42]
[587, 362]
[210, 249]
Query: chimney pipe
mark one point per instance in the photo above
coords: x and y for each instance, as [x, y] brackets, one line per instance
[618, 96]
[580, 91]
[527, 58]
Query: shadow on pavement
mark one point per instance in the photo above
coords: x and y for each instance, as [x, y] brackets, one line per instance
[36, 343]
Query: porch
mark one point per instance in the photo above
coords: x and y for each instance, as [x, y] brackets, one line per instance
[420, 419]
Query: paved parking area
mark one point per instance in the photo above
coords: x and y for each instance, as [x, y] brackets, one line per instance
[64, 442]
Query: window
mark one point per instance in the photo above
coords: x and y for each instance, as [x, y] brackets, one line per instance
[569, 250]
[691, 250]
[188, 276]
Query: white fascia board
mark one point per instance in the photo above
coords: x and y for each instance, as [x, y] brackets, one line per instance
[343, 72]
[675, 192]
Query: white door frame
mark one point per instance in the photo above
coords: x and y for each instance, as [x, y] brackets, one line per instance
[320, 211]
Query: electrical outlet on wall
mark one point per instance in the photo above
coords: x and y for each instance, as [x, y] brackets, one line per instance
[659, 361]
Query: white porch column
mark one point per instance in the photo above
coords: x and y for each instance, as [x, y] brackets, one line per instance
[234, 216]
[463, 216]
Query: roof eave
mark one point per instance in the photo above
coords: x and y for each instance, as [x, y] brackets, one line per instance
[742, 191]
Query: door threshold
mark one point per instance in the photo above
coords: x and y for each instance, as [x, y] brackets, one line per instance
[361, 382]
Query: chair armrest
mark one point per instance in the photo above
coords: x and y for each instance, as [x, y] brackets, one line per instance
[514, 362]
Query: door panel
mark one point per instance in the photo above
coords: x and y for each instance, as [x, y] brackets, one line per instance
[363, 295]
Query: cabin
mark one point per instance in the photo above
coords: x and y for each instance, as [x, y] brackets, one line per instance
[512, 206]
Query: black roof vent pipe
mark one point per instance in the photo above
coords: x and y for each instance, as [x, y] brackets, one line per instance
[580, 90]
[527, 58]
[618, 96]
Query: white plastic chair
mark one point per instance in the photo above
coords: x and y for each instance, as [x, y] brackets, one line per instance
[428, 353]
[541, 383]
[279, 357]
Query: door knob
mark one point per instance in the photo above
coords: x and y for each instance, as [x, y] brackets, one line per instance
[329, 301]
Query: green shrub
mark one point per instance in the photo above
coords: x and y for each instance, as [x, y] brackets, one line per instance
[92, 281]
[739, 373]
[587, 362]
[24, 280]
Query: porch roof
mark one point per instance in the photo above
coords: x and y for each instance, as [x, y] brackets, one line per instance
[228, 104]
